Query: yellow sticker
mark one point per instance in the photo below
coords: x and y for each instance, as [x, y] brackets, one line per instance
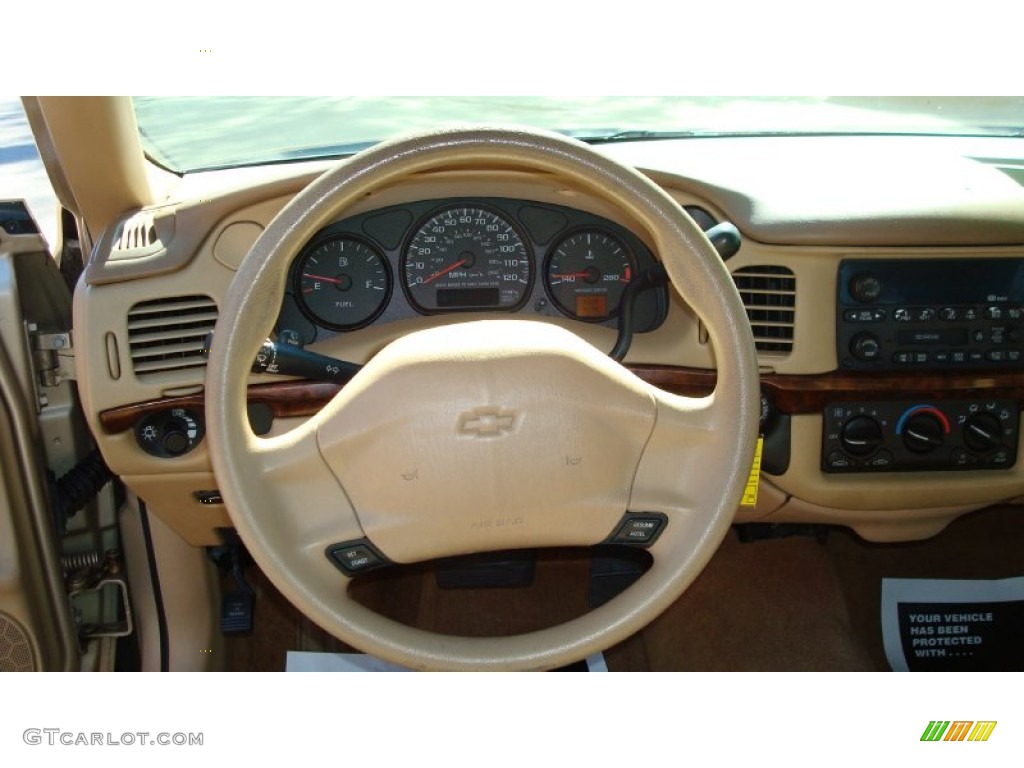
[750, 494]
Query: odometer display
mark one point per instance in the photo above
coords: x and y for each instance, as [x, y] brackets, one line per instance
[466, 258]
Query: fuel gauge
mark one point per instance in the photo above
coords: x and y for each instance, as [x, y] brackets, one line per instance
[342, 282]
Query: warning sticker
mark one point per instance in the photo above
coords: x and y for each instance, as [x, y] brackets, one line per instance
[931, 625]
[750, 493]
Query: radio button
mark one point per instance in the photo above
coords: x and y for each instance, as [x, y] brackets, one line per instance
[976, 356]
[970, 313]
[948, 313]
[1015, 313]
[1013, 355]
[865, 288]
[926, 315]
[903, 358]
[902, 315]
[940, 357]
[865, 347]
[996, 355]
[958, 356]
[994, 313]
[864, 315]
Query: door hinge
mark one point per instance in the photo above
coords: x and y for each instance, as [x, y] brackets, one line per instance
[53, 355]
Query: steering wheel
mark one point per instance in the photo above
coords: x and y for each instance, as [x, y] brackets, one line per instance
[486, 435]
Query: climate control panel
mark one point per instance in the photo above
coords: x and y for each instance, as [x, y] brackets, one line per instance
[919, 436]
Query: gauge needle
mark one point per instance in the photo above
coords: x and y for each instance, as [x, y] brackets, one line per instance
[573, 274]
[321, 277]
[444, 271]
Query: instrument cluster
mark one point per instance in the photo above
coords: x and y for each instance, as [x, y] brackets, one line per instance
[467, 255]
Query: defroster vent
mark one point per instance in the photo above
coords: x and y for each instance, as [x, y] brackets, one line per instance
[168, 334]
[769, 295]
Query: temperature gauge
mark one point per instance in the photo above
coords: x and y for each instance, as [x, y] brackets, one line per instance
[587, 273]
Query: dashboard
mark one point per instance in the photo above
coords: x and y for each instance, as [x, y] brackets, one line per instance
[883, 280]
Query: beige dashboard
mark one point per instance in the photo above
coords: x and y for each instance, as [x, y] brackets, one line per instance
[193, 249]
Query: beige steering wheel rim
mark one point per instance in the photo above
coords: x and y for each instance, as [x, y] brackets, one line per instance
[698, 486]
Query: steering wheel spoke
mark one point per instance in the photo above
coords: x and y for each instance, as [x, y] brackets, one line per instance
[303, 503]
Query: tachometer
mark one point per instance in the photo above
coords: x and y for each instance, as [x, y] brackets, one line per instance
[465, 258]
[587, 273]
[342, 282]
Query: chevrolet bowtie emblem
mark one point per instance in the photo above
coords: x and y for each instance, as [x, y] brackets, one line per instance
[486, 422]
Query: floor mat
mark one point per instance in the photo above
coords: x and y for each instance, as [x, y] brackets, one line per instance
[984, 545]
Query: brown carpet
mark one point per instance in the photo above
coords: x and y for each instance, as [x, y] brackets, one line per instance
[984, 545]
[766, 605]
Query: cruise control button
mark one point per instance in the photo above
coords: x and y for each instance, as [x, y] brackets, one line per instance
[354, 557]
[639, 529]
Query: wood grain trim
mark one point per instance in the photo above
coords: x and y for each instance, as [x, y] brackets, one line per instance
[289, 398]
[788, 394]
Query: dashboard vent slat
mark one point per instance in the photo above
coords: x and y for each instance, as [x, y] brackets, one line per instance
[169, 334]
[769, 296]
[137, 232]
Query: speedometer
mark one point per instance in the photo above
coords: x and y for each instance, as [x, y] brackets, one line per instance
[466, 258]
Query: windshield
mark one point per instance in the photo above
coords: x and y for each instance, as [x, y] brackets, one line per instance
[197, 133]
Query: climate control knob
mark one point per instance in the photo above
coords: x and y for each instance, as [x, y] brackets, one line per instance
[861, 435]
[865, 347]
[923, 433]
[983, 432]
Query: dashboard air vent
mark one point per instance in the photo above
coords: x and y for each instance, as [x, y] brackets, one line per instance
[168, 334]
[769, 295]
[137, 232]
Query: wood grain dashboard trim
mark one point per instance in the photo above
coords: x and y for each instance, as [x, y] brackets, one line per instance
[788, 394]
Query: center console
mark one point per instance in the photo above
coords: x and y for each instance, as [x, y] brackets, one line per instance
[921, 316]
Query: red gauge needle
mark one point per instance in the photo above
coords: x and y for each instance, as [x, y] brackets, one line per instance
[334, 280]
[444, 271]
[573, 274]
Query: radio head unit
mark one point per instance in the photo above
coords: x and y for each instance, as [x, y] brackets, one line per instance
[926, 314]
